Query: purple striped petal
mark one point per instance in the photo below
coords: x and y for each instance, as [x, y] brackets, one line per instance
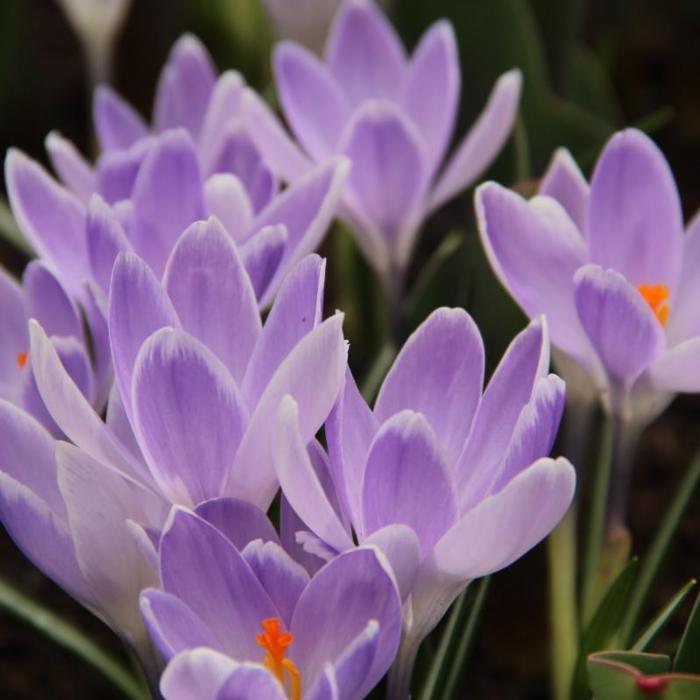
[68, 163]
[117, 124]
[196, 675]
[565, 182]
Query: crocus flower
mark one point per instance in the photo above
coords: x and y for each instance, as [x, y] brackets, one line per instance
[392, 116]
[250, 623]
[449, 483]
[199, 163]
[611, 268]
[198, 381]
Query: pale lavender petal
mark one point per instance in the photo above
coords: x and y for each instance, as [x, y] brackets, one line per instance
[508, 391]
[678, 369]
[172, 625]
[282, 578]
[335, 608]
[483, 141]
[407, 481]
[312, 374]
[635, 222]
[430, 92]
[117, 170]
[352, 668]
[325, 687]
[14, 338]
[535, 250]
[188, 415]
[261, 255]
[306, 209]
[68, 163]
[202, 568]
[364, 53]
[251, 681]
[138, 306]
[290, 525]
[51, 217]
[296, 311]
[117, 421]
[438, 373]
[212, 295]
[299, 481]
[313, 103]
[239, 520]
[49, 303]
[185, 87]
[117, 124]
[389, 173]
[621, 326]
[236, 154]
[504, 527]
[95, 308]
[167, 197]
[350, 429]
[105, 240]
[565, 182]
[196, 675]
[226, 199]
[684, 319]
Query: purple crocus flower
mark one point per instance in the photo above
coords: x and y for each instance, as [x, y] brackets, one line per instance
[146, 189]
[392, 116]
[250, 623]
[610, 267]
[198, 383]
[449, 483]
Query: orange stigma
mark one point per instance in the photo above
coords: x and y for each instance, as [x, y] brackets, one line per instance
[657, 296]
[22, 358]
[275, 642]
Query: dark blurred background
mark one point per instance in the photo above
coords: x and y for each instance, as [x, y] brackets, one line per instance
[590, 68]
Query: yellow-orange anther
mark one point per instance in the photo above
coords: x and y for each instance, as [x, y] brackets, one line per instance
[275, 642]
[657, 296]
[22, 358]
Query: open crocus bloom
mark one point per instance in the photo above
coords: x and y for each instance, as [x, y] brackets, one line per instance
[198, 383]
[250, 623]
[391, 115]
[146, 189]
[610, 267]
[449, 483]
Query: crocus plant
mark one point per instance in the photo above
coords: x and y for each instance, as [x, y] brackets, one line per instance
[392, 116]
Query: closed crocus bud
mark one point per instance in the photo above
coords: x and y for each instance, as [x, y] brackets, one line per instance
[97, 23]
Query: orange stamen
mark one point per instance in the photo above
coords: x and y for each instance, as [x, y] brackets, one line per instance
[275, 642]
[657, 296]
[22, 358]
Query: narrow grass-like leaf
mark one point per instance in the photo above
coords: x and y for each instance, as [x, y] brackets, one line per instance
[687, 659]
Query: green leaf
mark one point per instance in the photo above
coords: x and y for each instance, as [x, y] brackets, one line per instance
[647, 664]
[687, 658]
[659, 622]
[602, 626]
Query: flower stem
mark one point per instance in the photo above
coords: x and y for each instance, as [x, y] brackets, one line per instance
[71, 639]
[561, 551]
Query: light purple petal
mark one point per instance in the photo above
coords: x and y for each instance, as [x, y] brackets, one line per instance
[356, 662]
[282, 578]
[535, 250]
[430, 93]
[196, 675]
[312, 100]
[296, 311]
[290, 525]
[684, 319]
[261, 255]
[239, 520]
[299, 481]
[185, 87]
[117, 124]
[51, 217]
[678, 369]
[325, 687]
[335, 608]
[509, 390]
[364, 53]
[75, 172]
[407, 481]
[188, 415]
[167, 196]
[438, 373]
[138, 306]
[635, 222]
[14, 338]
[504, 527]
[251, 681]
[202, 568]
[621, 326]
[212, 295]
[483, 141]
[117, 170]
[312, 374]
[564, 182]
[237, 155]
[226, 199]
[95, 308]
